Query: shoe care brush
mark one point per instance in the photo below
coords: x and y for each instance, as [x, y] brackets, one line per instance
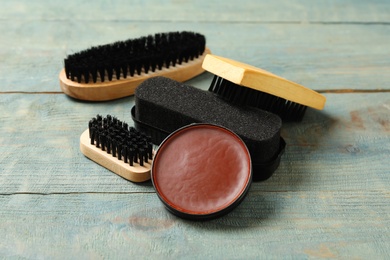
[246, 85]
[114, 70]
[118, 147]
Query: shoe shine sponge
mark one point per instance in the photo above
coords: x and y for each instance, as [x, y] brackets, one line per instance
[163, 105]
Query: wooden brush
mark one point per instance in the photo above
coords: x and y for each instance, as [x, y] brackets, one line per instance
[114, 70]
[246, 85]
[118, 147]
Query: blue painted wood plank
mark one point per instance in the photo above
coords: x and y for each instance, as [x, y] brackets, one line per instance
[316, 56]
[265, 225]
[320, 56]
[328, 199]
[277, 11]
[329, 150]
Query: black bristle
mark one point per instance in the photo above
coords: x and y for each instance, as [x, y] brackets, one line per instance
[117, 69]
[109, 71]
[123, 58]
[103, 141]
[101, 73]
[109, 144]
[131, 156]
[150, 149]
[78, 76]
[145, 153]
[125, 153]
[141, 156]
[131, 68]
[90, 125]
[117, 138]
[119, 150]
[97, 140]
[114, 147]
[94, 74]
[135, 153]
[92, 135]
[138, 67]
[243, 96]
[124, 69]
[86, 76]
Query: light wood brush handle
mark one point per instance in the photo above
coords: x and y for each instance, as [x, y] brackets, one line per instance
[262, 80]
[134, 173]
[114, 89]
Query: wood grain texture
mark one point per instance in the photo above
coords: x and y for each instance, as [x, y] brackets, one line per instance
[265, 225]
[333, 147]
[134, 173]
[277, 11]
[328, 199]
[263, 81]
[317, 56]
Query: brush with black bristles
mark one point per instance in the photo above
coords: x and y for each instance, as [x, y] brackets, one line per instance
[118, 147]
[112, 71]
[246, 85]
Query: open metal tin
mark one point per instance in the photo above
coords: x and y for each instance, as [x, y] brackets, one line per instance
[201, 171]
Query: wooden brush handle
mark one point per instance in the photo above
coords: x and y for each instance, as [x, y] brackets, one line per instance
[109, 90]
[134, 173]
[262, 80]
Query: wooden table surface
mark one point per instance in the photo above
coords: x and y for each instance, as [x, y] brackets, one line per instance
[329, 198]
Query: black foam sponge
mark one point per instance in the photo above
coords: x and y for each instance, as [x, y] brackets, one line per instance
[164, 105]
